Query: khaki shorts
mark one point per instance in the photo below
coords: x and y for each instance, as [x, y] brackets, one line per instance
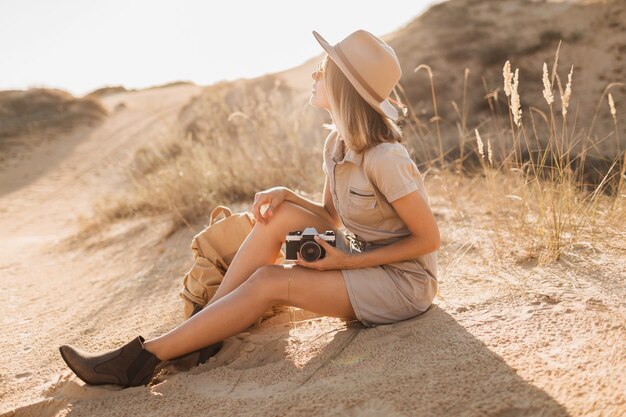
[387, 293]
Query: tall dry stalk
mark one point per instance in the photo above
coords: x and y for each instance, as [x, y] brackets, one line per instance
[436, 117]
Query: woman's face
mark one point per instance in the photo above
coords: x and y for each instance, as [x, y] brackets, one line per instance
[318, 94]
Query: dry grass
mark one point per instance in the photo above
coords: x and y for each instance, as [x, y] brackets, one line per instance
[536, 187]
[236, 140]
[231, 142]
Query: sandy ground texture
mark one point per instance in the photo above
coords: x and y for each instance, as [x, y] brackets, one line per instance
[504, 338]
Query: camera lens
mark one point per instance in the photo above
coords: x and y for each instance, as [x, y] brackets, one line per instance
[310, 251]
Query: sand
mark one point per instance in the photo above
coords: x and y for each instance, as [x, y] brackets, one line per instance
[503, 338]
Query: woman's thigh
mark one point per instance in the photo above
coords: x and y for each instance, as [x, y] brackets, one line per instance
[254, 252]
[321, 292]
[289, 216]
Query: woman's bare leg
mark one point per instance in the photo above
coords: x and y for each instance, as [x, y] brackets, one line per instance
[264, 241]
[322, 292]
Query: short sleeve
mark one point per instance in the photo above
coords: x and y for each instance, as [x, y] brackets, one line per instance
[393, 172]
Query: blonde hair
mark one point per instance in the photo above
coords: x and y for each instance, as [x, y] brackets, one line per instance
[360, 126]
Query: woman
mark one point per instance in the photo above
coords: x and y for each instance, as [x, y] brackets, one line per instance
[386, 273]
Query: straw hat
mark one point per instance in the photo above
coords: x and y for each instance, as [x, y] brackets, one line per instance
[370, 65]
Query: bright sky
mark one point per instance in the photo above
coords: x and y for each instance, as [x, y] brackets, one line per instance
[79, 45]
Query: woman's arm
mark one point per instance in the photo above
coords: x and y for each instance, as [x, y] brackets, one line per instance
[326, 210]
[424, 238]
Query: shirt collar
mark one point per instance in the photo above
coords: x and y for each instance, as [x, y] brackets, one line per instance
[351, 155]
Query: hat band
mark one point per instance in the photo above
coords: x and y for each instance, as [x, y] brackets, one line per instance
[356, 74]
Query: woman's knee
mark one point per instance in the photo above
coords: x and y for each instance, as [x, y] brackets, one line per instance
[264, 281]
[290, 216]
[286, 209]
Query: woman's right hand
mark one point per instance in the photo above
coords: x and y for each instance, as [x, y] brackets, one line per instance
[271, 197]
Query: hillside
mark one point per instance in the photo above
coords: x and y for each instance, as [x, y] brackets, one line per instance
[483, 35]
[30, 117]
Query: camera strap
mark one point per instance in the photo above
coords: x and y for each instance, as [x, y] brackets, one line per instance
[356, 243]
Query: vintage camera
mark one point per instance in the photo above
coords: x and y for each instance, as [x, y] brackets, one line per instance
[303, 242]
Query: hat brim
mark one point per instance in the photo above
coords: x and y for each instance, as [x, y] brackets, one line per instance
[385, 107]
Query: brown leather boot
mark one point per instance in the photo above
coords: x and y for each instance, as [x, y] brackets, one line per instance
[129, 366]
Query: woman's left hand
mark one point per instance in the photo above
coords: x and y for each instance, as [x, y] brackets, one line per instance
[334, 259]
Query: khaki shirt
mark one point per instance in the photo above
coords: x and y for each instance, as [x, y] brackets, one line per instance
[364, 184]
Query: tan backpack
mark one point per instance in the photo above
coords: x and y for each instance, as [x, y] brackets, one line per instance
[214, 249]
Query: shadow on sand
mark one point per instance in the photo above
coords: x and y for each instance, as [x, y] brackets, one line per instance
[426, 366]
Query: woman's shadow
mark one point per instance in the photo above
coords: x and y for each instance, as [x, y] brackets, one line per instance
[429, 365]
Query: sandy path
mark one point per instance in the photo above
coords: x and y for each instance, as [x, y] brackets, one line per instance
[47, 296]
